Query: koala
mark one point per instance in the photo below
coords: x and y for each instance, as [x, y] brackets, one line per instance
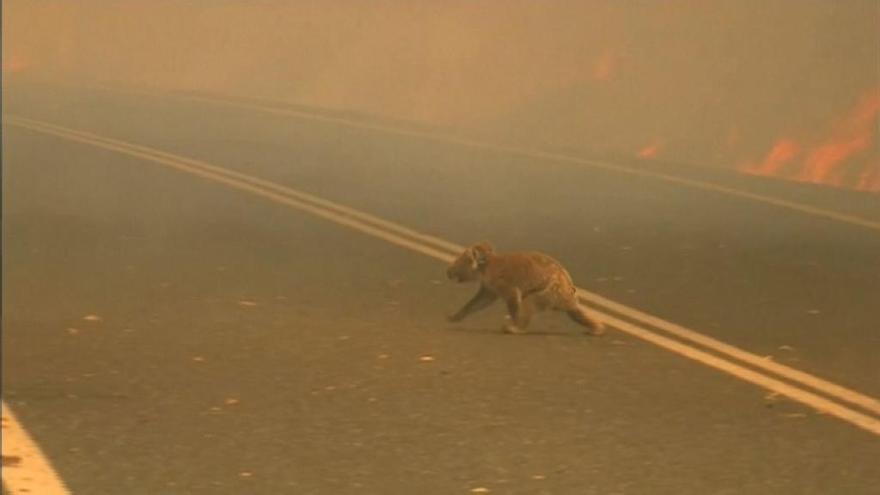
[527, 282]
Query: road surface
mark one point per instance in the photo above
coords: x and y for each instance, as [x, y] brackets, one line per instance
[164, 332]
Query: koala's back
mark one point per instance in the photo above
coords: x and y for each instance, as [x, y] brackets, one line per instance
[528, 271]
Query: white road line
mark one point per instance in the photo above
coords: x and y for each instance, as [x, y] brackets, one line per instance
[26, 469]
[342, 215]
[546, 155]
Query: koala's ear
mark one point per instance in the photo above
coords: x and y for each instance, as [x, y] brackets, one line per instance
[481, 251]
[485, 247]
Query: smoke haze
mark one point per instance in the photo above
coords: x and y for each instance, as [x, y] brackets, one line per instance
[783, 87]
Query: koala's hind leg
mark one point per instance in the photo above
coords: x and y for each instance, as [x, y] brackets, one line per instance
[577, 313]
[594, 326]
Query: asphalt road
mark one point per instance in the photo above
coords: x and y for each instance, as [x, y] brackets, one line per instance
[165, 334]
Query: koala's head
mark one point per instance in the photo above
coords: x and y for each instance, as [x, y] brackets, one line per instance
[468, 266]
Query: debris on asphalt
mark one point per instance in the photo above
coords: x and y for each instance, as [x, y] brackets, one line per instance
[231, 402]
[92, 318]
[73, 331]
[480, 489]
[246, 303]
[795, 415]
[426, 359]
[198, 359]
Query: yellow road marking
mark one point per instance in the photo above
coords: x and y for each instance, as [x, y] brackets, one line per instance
[546, 155]
[833, 389]
[821, 404]
[445, 251]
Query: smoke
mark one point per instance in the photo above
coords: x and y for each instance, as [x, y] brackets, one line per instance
[715, 82]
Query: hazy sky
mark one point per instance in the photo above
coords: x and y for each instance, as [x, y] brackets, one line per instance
[712, 81]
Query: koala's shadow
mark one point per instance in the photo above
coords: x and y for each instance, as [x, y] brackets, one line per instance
[485, 330]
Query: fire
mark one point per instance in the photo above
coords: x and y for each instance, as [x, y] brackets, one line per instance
[604, 68]
[829, 161]
[850, 136]
[782, 152]
[651, 150]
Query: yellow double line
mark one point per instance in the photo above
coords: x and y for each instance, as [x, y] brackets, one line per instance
[824, 396]
[538, 154]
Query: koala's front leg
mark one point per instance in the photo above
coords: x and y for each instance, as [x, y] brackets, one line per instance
[518, 312]
[481, 300]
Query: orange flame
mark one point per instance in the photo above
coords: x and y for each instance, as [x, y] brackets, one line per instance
[827, 161]
[782, 152]
[851, 136]
[651, 150]
[604, 68]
